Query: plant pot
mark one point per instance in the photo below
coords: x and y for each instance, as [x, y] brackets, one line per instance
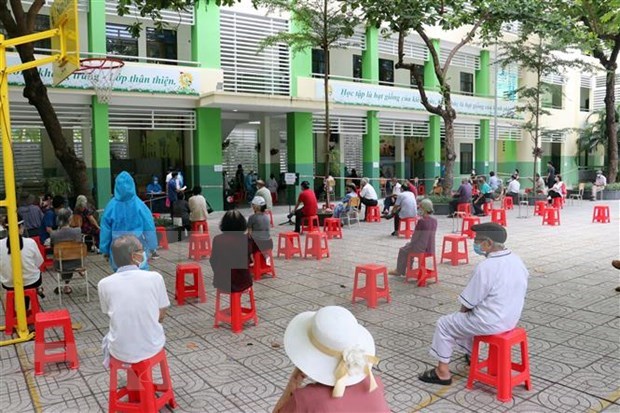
[441, 209]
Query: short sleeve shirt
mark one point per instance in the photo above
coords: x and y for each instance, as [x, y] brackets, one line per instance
[407, 203]
[368, 192]
[308, 198]
[259, 224]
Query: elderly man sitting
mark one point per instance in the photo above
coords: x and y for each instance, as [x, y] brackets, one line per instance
[599, 184]
[368, 195]
[491, 303]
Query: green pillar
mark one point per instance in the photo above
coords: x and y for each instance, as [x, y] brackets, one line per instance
[207, 154]
[432, 152]
[482, 147]
[370, 148]
[370, 56]
[509, 163]
[430, 78]
[206, 34]
[300, 149]
[96, 27]
[482, 80]
[301, 61]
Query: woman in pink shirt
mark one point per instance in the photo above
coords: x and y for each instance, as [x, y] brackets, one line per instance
[330, 348]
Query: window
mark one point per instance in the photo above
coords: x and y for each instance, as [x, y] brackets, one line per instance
[120, 42]
[386, 72]
[584, 99]
[467, 158]
[41, 24]
[318, 61]
[552, 96]
[467, 83]
[357, 66]
[419, 70]
[161, 44]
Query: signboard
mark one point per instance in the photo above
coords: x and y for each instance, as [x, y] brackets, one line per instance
[507, 84]
[390, 97]
[217, 168]
[64, 16]
[290, 178]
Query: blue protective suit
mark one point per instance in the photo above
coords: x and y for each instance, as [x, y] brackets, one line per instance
[126, 214]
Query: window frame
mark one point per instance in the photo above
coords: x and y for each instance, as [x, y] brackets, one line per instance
[466, 82]
[159, 39]
[466, 167]
[124, 40]
[383, 80]
[358, 69]
[318, 62]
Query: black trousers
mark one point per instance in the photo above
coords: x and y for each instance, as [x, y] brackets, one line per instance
[299, 214]
[368, 202]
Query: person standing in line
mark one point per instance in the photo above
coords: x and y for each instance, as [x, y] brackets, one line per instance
[550, 174]
[198, 210]
[173, 190]
[272, 185]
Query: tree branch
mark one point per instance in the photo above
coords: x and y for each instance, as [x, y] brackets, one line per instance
[468, 38]
[18, 12]
[7, 19]
[431, 49]
[33, 11]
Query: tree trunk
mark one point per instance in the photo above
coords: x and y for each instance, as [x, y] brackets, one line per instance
[327, 124]
[610, 123]
[36, 93]
[448, 120]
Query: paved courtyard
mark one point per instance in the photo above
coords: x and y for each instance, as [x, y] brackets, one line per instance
[571, 316]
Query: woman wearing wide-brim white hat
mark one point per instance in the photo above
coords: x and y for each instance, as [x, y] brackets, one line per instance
[331, 348]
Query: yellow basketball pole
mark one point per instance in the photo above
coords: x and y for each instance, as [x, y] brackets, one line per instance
[10, 202]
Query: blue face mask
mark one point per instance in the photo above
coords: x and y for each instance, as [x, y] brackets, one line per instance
[478, 249]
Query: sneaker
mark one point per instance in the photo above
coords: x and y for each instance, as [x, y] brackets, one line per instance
[155, 255]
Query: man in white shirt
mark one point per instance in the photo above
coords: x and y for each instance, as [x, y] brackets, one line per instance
[513, 189]
[599, 184]
[404, 207]
[491, 303]
[494, 182]
[368, 195]
[136, 302]
[389, 200]
[264, 193]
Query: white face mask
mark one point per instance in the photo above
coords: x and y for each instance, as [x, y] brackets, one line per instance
[142, 264]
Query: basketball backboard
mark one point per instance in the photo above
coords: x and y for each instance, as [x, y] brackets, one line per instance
[64, 16]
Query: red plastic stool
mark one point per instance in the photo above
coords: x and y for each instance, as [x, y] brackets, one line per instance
[551, 216]
[261, 267]
[10, 317]
[199, 246]
[268, 212]
[196, 289]
[539, 207]
[499, 217]
[316, 245]
[601, 214]
[235, 315]
[310, 224]
[373, 214]
[409, 227]
[141, 391]
[558, 202]
[499, 365]
[469, 222]
[163, 241]
[454, 255]
[370, 291]
[332, 227]
[487, 207]
[328, 206]
[200, 227]
[47, 262]
[508, 203]
[51, 319]
[464, 207]
[290, 246]
[421, 272]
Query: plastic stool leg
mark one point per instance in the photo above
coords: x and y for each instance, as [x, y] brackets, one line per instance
[235, 312]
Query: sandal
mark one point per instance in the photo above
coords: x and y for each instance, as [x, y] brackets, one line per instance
[430, 376]
[41, 292]
[67, 290]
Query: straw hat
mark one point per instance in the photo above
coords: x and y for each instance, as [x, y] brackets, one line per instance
[331, 348]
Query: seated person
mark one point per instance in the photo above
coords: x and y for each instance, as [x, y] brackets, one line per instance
[389, 200]
[180, 212]
[461, 196]
[87, 222]
[62, 234]
[438, 186]
[491, 302]
[422, 240]
[556, 190]
[485, 194]
[259, 227]
[307, 198]
[336, 353]
[368, 195]
[344, 206]
[48, 224]
[541, 187]
[31, 214]
[405, 207]
[513, 189]
[230, 255]
[599, 184]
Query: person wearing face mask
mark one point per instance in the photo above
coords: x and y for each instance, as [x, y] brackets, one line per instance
[491, 302]
[599, 184]
[136, 302]
[422, 240]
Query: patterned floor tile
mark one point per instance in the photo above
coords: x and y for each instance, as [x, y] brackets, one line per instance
[565, 399]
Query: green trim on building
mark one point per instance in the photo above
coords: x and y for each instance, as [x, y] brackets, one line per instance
[101, 152]
[96, 27]
[481, 148]
[482, 82]
[301, 62]
[207, 153]
[432, 152]
[399, 169]
[430, 78]
[370, 56]
[206, 35]
[370, 148]
[300, 148]
[507, 157]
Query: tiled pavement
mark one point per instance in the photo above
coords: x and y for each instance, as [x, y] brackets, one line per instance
[571, 316]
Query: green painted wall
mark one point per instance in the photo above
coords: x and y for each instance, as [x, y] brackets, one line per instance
[482, 81]
[206, 34]
[301, 62]
[370, 148]
[300, 148]
[207, 153]
[432, 152]
[481, 148]
[370, 56]
[101, 152]
[507, 158]
[96, 27]
[399, 169]
[430, 78]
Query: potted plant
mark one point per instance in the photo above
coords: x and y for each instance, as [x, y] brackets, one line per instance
[440, 203]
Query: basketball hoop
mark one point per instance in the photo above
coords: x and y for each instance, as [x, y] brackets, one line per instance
[102, 73]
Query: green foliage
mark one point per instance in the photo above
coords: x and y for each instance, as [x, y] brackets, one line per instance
[594, 133]
[439, 199]
[58, 186]
[163, 222]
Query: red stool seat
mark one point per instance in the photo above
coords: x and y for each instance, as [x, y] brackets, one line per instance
[10, 316]
[235, 315]
[53, 319]
[200, 226]
[370, 291]
[261, 267]
[421, 272]
[601, 214]
[469, 222]
[310, 224]
[156, 215]
[464, 207]
[332, 227]
[143, 394]
[508, 203]
[558, 202]
[163, 240]
[373, 214]
[454, 255]
[316, 245]
[289, 244]
[409, 223]
[551, 216]
[199, 246]
[487, 207]
[539, 207]
[499, 216]
[499, 365]
[196, 289]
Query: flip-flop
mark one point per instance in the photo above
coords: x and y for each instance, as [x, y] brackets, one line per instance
[468, 359]
[430, 376]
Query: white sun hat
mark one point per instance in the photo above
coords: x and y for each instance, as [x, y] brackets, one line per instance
[331, 348]
[258, 201]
